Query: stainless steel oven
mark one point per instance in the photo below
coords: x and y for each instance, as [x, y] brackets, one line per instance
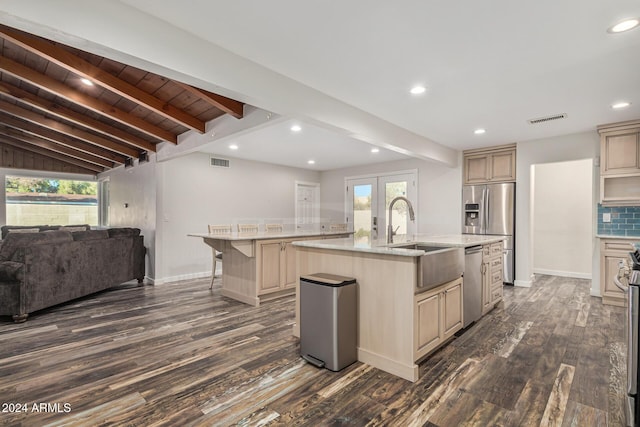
[632, 274]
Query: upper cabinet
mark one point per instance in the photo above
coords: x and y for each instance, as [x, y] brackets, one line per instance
[620, 163]
[495, 164]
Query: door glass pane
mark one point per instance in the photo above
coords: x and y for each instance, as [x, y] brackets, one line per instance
[362, 195]
[400, 211]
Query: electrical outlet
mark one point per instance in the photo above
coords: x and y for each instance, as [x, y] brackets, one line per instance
[606, 217]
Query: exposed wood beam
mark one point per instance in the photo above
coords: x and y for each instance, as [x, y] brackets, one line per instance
[25, 138]
[51, 85]
[39, 119]
[61, 139]
[51, 154]
[80, 67]
[54, 109]
[228, 105]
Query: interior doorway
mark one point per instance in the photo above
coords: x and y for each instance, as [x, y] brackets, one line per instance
[367, 204]
[562, 218]
[307, 208]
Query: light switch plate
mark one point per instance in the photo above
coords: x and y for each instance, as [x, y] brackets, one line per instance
[606, 217]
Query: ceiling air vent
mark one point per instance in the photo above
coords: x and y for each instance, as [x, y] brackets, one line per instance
[547, 119]
[223, 163]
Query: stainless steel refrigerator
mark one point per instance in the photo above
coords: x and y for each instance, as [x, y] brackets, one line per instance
[489, 209]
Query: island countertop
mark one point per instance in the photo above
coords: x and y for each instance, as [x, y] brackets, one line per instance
[382, 247]
[263, 235]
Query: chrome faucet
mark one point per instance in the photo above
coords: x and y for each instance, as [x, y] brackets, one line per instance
[390, 231]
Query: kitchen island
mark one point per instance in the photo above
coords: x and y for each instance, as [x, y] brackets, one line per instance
[398, 323]
[260, 266]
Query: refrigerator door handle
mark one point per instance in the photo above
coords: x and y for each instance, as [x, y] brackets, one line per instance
[486, 210]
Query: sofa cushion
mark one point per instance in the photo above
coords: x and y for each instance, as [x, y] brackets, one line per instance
[19, 240]
[11, 271]
[123, 232]
[90, 235]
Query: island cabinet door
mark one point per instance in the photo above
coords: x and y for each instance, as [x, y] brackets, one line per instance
[428, 323]
[290, 278]
[269, 265]
[452, 312]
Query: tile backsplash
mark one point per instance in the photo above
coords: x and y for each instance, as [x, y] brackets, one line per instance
[625, 220]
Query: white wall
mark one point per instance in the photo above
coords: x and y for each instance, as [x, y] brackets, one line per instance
[136, 188]
[192, 194]
[577, 146]
[562, 218]
[439, 193]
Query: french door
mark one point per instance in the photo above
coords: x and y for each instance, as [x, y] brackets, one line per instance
[367, 205]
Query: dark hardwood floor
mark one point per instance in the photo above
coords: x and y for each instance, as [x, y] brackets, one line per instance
[180, 354]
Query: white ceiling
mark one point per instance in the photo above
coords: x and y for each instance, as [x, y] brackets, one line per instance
[492, 64]
[278, 144]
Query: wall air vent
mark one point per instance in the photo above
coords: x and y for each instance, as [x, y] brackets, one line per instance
[223, 163]
[547, 119]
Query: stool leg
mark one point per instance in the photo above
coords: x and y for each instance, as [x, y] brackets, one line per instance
[213, 269]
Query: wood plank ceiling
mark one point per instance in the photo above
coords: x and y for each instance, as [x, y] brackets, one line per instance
[121, 114]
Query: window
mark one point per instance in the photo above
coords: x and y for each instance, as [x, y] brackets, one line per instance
[40, 201]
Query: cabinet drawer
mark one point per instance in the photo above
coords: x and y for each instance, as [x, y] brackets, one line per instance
[496, 294]
[620, 245]
[496, 263]
[496, 277]
[496, 249]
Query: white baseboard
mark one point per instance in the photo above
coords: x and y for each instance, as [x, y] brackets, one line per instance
[595, 293]
[561, 273]
[182, 277]
[522, 283]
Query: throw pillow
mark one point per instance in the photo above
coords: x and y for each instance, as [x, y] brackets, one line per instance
[23, 230]
[73, 228]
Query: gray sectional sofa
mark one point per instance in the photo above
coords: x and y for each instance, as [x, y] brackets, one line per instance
[44, 268]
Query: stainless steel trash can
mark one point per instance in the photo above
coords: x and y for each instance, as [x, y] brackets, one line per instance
[328, 320]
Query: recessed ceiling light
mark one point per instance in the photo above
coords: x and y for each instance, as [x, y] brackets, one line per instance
[312, 162]
[375, 150]
[417, 90]
[626, 25]
[296, 128]
[233, 147]
[87, 82]
[620, 105]
[479, 131]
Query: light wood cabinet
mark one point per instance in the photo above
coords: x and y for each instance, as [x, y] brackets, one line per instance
[496, 164]
[428, 323]
[276, 265]
[438, 316]
[452, 315]
[612, 251]
[620, 163]
[492, 275]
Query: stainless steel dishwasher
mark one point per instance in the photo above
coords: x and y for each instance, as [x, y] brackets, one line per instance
[472, 284]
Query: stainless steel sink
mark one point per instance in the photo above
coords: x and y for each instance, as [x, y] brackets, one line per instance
[437, 266]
